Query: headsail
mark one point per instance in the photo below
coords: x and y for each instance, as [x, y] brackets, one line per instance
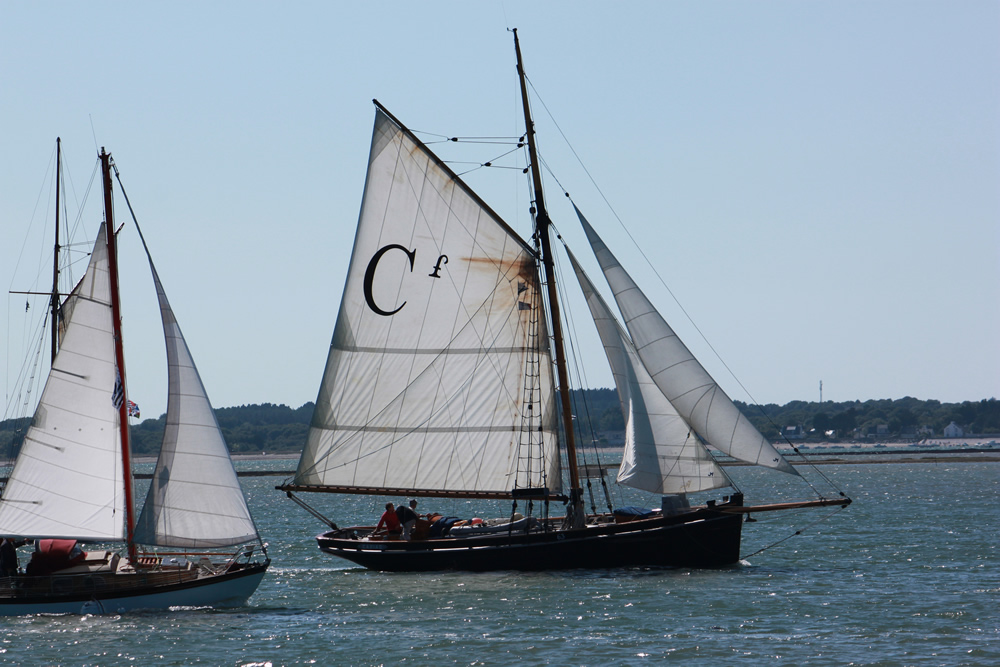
[439, 375]
[194, 499]
[681, 377]
[662, 453]
[67, 482]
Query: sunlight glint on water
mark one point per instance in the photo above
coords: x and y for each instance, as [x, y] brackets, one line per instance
[909, 574]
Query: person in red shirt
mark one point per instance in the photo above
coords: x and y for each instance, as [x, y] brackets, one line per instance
[390, 521]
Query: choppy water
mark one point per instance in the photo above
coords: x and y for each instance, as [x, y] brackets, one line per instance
[909, 574]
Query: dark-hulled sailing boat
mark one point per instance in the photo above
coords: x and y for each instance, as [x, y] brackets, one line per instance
[71, 485]
[447, 377]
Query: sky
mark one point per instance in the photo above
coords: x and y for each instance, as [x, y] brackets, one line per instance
[817, 185]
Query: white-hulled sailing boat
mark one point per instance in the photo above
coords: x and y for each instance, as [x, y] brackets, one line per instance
[71, 485]
[447, 378]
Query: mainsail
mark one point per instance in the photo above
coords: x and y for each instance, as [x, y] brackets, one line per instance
[439, 376]
[662, 453]
[67, 482]
[195, 499]
[682, 379]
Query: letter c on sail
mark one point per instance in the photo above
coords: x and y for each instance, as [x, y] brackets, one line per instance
[370, 276]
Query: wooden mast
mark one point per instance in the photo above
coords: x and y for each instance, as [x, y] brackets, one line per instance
[116, 323]
[54, 305]
[542, 230]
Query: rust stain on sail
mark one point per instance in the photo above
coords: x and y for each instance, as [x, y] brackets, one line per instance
[516, 278]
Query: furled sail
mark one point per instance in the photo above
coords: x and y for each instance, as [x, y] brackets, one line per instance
[681, 377]
[194, 499]
[439, 376]
[662, 453]
[67, 482]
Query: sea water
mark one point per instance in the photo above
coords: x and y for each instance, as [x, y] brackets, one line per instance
[907, 575]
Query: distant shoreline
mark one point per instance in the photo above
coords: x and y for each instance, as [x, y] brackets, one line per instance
[850, 459]
[956, 457]
[811, 458]
[868, 455]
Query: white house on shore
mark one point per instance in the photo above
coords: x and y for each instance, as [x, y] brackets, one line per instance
[793, 432]
[953, 430]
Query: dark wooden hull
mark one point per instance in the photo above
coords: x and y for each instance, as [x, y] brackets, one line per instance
[106, 592]
[699, 538]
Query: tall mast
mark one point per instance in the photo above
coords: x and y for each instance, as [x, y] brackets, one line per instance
[116, 323]
[54, 305]
[542, 230]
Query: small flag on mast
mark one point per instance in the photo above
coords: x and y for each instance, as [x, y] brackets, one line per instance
[118, 395]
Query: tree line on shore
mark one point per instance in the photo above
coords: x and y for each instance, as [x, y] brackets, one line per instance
[887, 418]
[278, 428]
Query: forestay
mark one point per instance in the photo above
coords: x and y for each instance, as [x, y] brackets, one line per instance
[439, 376]
[681, 377]
[662, 453]
[67, 482]
[195, 499]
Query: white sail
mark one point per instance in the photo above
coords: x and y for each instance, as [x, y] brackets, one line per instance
[439, 376]
[662, 453]
[681, 377]
[195, 499]
[67, 482]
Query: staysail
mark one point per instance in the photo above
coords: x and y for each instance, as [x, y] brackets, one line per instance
[681, 377]
[194, 499]
[67, 482]
[439, 376]
[662, 453]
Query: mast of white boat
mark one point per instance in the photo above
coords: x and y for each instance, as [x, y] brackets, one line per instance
[54, 304]
[542, 231]
[120, 395]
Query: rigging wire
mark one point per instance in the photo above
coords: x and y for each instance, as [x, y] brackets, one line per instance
[78, 221]
[635, 242]
[579, 371]
[673, 296]
[34, 216]
[18, 401]
[23, 385]
[797, 531]
[811, 464]
[444, 138]
[544, 294]
[517, 143]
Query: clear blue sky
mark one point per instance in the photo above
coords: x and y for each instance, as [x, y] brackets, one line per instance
[817, 182]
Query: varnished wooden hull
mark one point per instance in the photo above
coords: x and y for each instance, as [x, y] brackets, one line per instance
[700, 538]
